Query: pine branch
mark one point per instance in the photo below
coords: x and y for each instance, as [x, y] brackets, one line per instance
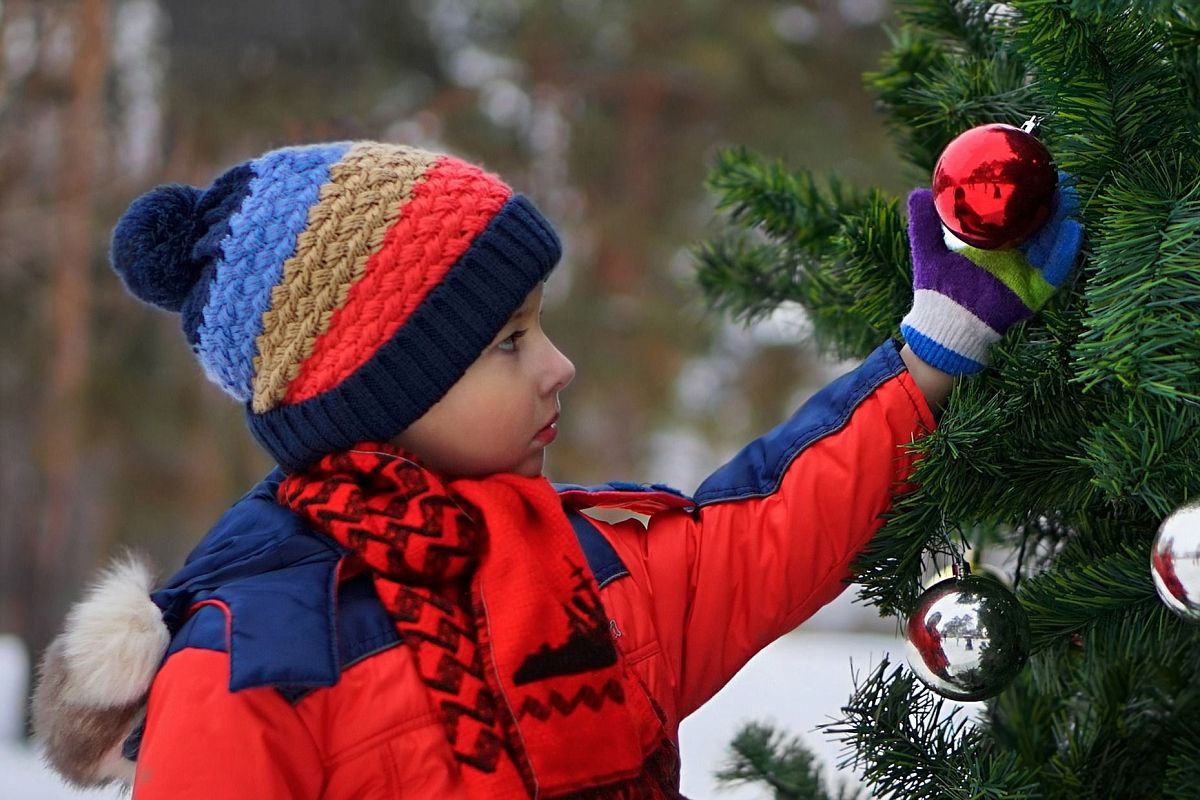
[1183, 769]
[963, 26]
[949, 70]
[984, 469]
[842, 256]
[1022, 719]
[910, 748]
[1184, 40]
[745, 279]
[874, 264]
[1156, 9]
[910, 117]
[889, 570]
[785, 220]
[1112, 95]
[791, 207]
[1128, 700]
[762, 754]
[1095, 721]
[1145, 455]
[1064, 601]
[1143, 325]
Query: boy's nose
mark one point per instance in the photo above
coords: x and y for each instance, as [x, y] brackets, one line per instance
[561, 371]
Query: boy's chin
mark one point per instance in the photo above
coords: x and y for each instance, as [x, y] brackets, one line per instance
[532, 467]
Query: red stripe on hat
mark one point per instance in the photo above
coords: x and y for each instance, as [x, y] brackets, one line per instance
[447, 210]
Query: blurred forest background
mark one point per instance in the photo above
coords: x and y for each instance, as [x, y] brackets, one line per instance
[606, 112]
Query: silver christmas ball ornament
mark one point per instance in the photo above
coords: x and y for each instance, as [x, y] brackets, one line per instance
[1175, 562]
[967, 638]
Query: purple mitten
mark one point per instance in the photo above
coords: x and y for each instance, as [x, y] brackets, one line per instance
[965, 299]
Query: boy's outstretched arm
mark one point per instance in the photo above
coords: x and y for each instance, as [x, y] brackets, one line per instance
[776, 529]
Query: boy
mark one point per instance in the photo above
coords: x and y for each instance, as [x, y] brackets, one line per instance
[407, 608]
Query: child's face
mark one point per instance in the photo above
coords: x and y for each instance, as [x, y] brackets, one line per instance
[503, 412]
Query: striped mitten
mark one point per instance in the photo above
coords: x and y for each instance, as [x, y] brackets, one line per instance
[965, 298]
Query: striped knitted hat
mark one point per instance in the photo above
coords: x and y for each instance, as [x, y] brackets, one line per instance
[337, 290]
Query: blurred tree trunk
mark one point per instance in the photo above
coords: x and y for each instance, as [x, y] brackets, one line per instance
[56, 569]
[13, 516]
[631, 389]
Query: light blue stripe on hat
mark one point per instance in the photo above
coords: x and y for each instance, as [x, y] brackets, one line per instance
[262, 236]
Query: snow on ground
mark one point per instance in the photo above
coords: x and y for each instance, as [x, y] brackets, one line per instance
[22, 777]
[797, 683]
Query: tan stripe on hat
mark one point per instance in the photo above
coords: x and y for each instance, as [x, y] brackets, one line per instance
[364, 197]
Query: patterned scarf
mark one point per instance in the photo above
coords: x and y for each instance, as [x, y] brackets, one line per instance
[488, 586]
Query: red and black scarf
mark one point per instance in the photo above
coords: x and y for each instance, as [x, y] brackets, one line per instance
[489, 588]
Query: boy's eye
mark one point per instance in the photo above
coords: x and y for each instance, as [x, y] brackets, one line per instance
[509, 343]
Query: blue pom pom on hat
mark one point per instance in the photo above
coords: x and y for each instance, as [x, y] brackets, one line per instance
[152, 246]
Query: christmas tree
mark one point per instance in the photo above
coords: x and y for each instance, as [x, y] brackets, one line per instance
[1082, 437]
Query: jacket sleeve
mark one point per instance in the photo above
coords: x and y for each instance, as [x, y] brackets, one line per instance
[775, 529]
[203, 742]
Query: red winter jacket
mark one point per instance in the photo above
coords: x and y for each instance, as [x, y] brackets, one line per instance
[284, 679]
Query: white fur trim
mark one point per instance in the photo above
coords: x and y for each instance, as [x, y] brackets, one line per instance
[114, 639]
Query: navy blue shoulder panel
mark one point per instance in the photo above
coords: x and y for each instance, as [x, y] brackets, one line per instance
[758, 469]
[205, 629]
[602, 559]
[363, 629]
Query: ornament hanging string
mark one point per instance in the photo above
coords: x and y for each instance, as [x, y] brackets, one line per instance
[957, 552]
[1021, 552]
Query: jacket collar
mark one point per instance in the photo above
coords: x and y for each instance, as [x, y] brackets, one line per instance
[278, 581]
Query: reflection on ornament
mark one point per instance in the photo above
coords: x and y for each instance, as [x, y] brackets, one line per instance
[994, 186]
[967, 637]
[1175, 562]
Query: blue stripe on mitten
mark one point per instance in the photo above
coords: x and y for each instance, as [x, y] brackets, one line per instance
[1055, 246]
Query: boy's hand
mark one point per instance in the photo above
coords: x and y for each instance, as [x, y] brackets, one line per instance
[966, 298]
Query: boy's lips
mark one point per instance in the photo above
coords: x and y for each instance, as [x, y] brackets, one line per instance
[548, 434]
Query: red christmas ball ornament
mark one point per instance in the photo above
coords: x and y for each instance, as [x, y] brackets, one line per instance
[994, 185]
